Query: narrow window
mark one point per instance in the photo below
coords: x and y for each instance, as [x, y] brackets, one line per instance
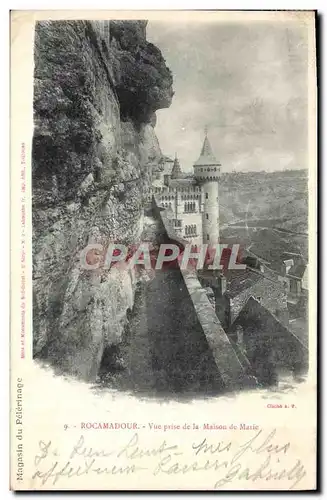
[207, 237]
[207, 216]
[207, 196]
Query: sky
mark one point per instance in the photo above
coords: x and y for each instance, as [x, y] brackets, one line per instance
[246, 82]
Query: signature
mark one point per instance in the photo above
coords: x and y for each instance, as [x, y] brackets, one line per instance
[260, 457]
[232, 467]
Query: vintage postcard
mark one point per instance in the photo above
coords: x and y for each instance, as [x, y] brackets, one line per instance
[163, 250]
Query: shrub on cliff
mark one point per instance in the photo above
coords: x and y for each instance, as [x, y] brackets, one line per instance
[144, 83]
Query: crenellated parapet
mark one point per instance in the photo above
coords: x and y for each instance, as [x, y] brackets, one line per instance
[192, 192]
[164, 192]
[207, 173]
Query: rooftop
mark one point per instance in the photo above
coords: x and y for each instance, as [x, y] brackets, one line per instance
[206, 157]
[240, 280]
[182, 182]
[297, 270]
[256, 314]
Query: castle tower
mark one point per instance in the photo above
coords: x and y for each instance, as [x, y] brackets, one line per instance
[176, 170]
[206, 172]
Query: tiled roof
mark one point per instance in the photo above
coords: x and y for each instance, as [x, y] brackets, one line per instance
[240, 280]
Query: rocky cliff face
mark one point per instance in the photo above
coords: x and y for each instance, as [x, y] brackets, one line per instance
[97, 87]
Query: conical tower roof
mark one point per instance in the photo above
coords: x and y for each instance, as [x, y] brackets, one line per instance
[176, 170]
[206, 157]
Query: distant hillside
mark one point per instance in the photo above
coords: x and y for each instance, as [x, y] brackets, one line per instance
[282, 196]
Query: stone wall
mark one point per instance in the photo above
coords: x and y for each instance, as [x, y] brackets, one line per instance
[96, 90]
[230, 369]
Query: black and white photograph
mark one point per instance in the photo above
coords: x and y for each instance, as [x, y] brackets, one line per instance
[192, 136]
[164, 314]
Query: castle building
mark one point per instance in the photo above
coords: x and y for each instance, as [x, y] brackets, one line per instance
[192, 201]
